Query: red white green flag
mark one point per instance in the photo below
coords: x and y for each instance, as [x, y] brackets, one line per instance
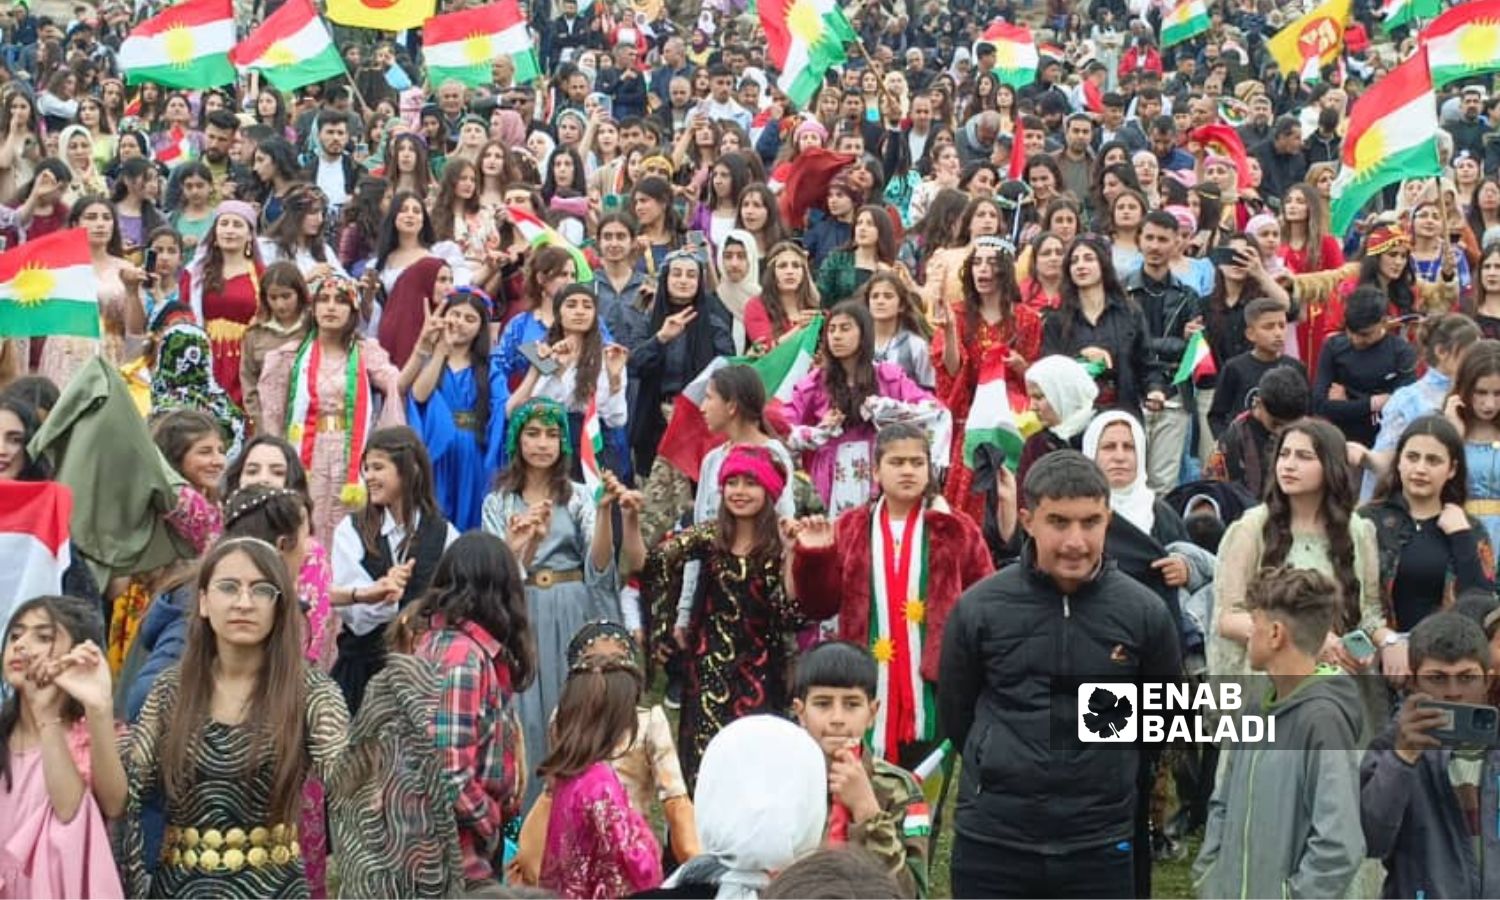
[1016, 56]
[590, 447]
[1197, 360]
[179, 150]
[991, 420]
[1392, 136]
[291, 48]
[48, 287]
[34, 545]
[1464, 41]
[1187, 20]
[463, 45]
[187, 46]
[539, 234]
[805, 39]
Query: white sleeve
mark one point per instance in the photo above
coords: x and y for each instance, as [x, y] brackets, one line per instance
[348, 557]
[612, 410]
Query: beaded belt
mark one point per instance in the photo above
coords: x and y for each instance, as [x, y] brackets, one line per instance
[229, 850]
[330, 422]
[468, 421]
[224, 330]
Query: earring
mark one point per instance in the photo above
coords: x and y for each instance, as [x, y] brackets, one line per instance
[249, 252]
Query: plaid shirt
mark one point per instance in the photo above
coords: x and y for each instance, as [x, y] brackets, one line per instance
[477, 732]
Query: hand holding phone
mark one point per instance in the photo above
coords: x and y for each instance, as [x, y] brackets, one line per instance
[543, 364]
[1359, 644]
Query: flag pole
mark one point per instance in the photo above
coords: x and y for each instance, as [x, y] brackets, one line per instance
[349, 77]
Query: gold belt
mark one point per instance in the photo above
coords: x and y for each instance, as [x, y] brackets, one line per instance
[468, 421]
[1483, 507]
[545, 578]
[328, 422]
[222, 330]
[229, 850]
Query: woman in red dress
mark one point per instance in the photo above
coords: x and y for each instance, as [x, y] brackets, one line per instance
[989, 319]
[222, 285]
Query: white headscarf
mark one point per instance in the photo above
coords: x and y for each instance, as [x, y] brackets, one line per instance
[735, 294]
[1135, 503]
[761, 802]
[1069, 390]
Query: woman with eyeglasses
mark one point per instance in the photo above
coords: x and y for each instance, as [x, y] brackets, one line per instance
[230, 745]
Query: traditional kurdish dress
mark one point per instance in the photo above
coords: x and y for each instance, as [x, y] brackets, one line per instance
[464, 457]
[324, 404]
[1023, 334]
[892, 585]
[598, 845]
[739, 637]
[225, 315]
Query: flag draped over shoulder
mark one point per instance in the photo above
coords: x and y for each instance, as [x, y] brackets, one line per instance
[687, 438]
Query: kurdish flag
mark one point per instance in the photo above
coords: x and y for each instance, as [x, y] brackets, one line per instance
[590, 446]
[291, 49]
[34, 545]
[462, 45]
[1317, 36]
[1464, 41]
[1392, 135]
[539, 234]
[187, 46]
[1396, 13]
[381, 15]
[48, 287]
[1188, 19]
[805, 39]
[687, 438]
[1016, 56]
[180, 150]
[1197, 360]
[990, 418]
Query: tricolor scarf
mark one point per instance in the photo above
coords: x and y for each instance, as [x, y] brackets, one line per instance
[304, 409]
[898, 595]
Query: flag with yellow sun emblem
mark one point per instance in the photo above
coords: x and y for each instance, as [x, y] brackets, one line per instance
[291, 48]
[805, 39]
[1392, 136]
[1464, 41]
[48, 287]
[463, 46]
[1016, 54]
[187, 46]
[898, 631]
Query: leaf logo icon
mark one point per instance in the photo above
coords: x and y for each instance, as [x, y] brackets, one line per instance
[1108, 714]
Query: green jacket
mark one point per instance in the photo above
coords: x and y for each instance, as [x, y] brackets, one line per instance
[897, 836]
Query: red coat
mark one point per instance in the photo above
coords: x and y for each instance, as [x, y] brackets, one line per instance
[836, 580]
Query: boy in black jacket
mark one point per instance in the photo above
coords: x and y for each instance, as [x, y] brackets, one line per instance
[1359, 369]
[1265, 329]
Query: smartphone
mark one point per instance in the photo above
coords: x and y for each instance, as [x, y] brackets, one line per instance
[1466, 724]
[362, 149]
[1359, 644]
[544, 364]
[1224, 256]
[150, 264]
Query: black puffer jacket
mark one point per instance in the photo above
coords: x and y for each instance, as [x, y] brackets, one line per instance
[1121, 330]
[1167, 308]
[1014, 651]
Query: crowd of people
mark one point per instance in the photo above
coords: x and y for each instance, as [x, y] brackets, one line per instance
[412, 554]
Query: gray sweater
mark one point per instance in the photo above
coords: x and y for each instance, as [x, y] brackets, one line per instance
[1284, 819]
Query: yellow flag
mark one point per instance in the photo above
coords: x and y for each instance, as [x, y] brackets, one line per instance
[1319, 33]
[381, 15]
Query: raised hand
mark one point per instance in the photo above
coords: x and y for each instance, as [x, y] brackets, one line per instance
[814, 533]
[83, 674]
[675, 325]
[615, 357]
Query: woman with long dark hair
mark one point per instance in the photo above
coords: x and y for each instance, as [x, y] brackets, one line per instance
[1098, 322]
[298, 235]
[1431, 550]
[229, 735]
[220, 285]
[275, 170]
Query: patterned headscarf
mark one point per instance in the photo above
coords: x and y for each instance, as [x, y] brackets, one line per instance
[550, 412]
[183, 379]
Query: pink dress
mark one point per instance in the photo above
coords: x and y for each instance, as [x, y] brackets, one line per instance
[597, 844]
[322, 633]
[325, 476]
[43, 856]
[62, 357]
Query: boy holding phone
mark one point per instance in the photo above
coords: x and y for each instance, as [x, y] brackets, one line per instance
[1284, 819]
[1428, 807]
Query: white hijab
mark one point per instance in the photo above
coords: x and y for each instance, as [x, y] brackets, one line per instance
[1069, 390]
[761, 802]
[1135, 503]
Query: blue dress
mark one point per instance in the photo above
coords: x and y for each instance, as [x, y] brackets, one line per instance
[1484, 486]
[461, 467]
[526, 328]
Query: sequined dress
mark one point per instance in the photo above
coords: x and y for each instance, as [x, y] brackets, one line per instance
[220, 839]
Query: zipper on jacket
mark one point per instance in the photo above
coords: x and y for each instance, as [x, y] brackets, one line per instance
[1245, 831]
[1067, 608]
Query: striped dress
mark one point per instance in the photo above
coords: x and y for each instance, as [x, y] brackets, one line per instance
[220, 839]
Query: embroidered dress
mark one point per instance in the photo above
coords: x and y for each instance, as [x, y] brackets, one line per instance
[739, 637]
[597, 844]
[564, 592]
[226, 316]
[318, 407]
[220, 839]
[40, 854]
[321, 649]
[1023, 335]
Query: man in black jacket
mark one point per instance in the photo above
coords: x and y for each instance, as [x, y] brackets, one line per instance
[1039, 812]
[1171, 312]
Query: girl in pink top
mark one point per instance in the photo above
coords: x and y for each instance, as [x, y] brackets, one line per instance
[60, 772]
